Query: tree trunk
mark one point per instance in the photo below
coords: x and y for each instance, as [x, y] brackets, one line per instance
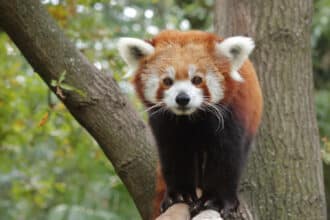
[103, 110]
[284, 178]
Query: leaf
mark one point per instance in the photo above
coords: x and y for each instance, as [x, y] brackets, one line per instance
[80, 92]
[62, 77]
[53, 83]
[67, 87]
[44, 119]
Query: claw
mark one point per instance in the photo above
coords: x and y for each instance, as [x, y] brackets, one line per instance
[172, 198]
[167, 202]
[195, 208]
[229, 209]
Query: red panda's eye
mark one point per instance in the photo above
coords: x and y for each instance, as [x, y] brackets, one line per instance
[196, 80]
[168, 81]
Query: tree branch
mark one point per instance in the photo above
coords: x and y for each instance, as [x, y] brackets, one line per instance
[103, 111]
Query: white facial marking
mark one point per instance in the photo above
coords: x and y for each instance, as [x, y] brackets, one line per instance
[237, 49]
[191, 70]
[195, 95]
[213, 83]
[171, 72]
[236, 76]
[151, 84]
[133, 49]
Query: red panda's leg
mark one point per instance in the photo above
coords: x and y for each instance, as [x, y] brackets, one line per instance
[225, 160]
[177, 154]
[178, 168]
[221, 183]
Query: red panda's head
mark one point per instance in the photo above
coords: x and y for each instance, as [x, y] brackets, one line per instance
[185, 71]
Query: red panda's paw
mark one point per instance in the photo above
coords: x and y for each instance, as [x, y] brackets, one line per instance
[230, 206]
[175, 197]
[196, 207]
[225, 207]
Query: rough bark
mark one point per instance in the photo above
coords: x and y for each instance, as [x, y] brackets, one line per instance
[284, 177]
[104, 111]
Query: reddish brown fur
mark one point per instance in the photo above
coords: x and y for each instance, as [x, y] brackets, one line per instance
[178, 49]
[247, 101]
[159, 194]
[169, 51]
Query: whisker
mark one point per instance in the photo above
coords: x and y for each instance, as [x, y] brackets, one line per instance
[223, 107]
[217, 112]
[157, 111]
[159, 104]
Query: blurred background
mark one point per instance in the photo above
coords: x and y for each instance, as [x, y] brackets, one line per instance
[50, 168]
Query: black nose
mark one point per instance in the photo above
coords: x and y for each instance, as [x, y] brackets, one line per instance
[182, 99]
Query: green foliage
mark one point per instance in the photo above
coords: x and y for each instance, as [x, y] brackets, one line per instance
[321, 67]
[47, 160]
[322, 100]
[323, 111]
[60, 85]
[321, 43]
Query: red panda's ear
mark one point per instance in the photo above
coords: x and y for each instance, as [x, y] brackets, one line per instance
[237, 50]
[133, 49]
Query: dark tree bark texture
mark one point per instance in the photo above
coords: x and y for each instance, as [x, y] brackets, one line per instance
[104, 111]
[284, 177]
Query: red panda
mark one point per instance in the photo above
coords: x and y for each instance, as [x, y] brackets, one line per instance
[204, 104]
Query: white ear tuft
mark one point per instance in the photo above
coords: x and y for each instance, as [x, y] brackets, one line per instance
[236, 76]
[133, 49]
[237, 49]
